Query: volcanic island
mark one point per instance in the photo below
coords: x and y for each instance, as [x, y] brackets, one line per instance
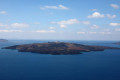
[118, 43]
[57, 48]
[3, 40]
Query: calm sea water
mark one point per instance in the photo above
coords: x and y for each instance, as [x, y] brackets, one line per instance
[101, 65]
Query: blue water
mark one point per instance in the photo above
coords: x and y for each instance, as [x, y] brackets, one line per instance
[101, 65]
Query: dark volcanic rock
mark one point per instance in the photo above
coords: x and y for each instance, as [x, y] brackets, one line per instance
[57, 48]
[3, 40]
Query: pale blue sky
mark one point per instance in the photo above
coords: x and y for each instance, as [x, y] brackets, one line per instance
[60, 19]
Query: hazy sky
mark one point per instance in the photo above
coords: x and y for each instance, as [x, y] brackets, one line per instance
[60, 19]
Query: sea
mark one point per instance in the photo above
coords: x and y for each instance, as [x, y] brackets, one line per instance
[95, 65]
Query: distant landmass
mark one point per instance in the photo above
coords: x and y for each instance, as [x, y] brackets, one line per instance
[3, 40]
[57, 48]
[117, 43]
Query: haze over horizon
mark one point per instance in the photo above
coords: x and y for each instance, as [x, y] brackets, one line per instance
[60, 19]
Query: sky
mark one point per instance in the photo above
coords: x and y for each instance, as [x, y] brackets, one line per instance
[60, 19]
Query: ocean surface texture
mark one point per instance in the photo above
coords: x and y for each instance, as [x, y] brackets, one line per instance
[101, 65]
